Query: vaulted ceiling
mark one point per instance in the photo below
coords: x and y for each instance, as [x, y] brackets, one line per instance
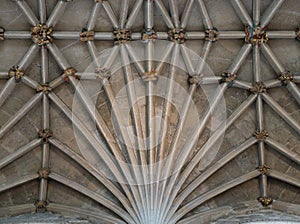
[150, 111]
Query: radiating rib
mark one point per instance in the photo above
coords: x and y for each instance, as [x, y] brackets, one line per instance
[242, 12]
[242, 84]
[270, 12]
[30, 82]
[27, 12]
[94, 172]
[199, 129]
[207, 146]
[7, 89]
[261, 145]
[186, 13]
[136, 8]
[115, 109]
[203, 57]
[134, 59]
[149, 15]
[46, 123]
[132, 98]
[93, 17]
[21, 113]
[282, 34]
[212, 193]
[57, 55]
[17, 34]
[240, 58]
[256, 64]
[296, 78]
[165, 14]
[131, 152]
[136, 118]
[194, 35]
[281, 112]
[273, 83]
[102, 152]
[256, 11]
[93, 52]
[21, 180]
[234, 152]
[285, 178]
[210, 80]
[19, 152]
[119, 117]
[66, 35]
[44, 64]
[186, 150]
[42, 11]
[43, 190]
[187, 59]
[283, 150]
[123, 13]
[294, 90]
[231, 34]
[167, 101]
[108, 203]
[28, 57]
[162, 35]
[56, 82]
[97, 214]
[174, 13]
[164, 126]
[56, 13]
[95, 115]
[150, 123]
[183, 116]
[166, 54]
[149, 56]
[279, 69]
[111, 14]
[206, 19]
[120, 157]
[100, 123]
[272, 59]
